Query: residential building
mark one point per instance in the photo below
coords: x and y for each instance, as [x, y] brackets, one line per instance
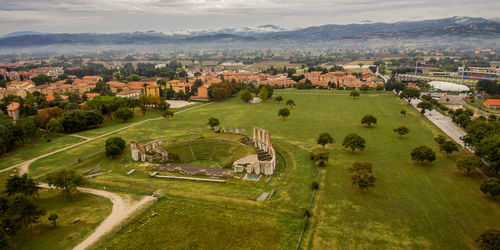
[492, 103]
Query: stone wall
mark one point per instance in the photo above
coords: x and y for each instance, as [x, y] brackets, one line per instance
[149, 152]
[262, 142]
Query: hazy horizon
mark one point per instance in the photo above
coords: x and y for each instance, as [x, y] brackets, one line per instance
[113, 16]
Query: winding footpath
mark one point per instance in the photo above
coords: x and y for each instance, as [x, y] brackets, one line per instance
[122, 209]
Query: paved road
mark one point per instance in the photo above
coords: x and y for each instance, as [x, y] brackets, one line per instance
[446, 124]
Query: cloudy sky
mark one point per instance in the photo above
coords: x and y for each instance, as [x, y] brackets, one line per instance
[106, 16]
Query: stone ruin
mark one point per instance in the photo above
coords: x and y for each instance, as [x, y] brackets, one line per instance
[149, 152]
[265, 162]
[238, 131]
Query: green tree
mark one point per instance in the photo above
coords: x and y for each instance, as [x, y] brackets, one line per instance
[125, 114]
[425, 105]
[41, 79]
[440, 139]
[324, 138]
[362, 175]
[354, 94]
[114, 146]
[168, 114]
[489, 149]
[290, 103]
[410, 93]
[263, 94]
[468, 163]
[369, 120]
[402, 131]
[364, 88]
[5, 139]
[354, 141]
[133, 77]
[163, 105]
[284, 113]
[245, 95]
[448, 146]
[24, 210]
[423, 155]
[53, 217]
[491, 186]
[361, 166]
[29, 130]
[278, 99]
[21, 185]
[320, 158]
[489, 240]
[213, 122]
[65, 180]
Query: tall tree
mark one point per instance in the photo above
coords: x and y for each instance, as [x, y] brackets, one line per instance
[423, 155]
[468, 163]
[369, 120]
[65, 180]
[21, 184]
[402, 131]
[284, 113]
[491, 186]
[449, 147]
[410, 93]
[213, 122]
[354, 141]
[324, 138]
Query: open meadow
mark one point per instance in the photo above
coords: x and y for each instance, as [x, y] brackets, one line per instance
[411, 206]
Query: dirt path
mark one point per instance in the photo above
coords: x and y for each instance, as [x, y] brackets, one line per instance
[122, 209]
[24, 165]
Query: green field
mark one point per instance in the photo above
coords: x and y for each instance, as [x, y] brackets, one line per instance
[89, 208]
[220, 151]
[411, 207]
[23, 153]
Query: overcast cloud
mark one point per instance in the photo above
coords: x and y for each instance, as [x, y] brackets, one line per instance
[106, 16]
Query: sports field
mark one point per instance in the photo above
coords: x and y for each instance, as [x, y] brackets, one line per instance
[411, 207]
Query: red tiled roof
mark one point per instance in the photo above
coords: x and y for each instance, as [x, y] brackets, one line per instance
[493, 102]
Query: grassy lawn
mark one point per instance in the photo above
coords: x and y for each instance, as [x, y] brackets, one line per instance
[89, 208]
[195, 224]
[411, 206]
[110, 125]
[220, 151]
[23, 153]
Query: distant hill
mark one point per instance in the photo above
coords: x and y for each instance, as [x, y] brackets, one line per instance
[23, 33]
[454, 27]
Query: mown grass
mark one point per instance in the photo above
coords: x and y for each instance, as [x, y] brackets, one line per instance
[219, 150]
[27, 152]
[411, 207]
[196, 224]
[90, 209]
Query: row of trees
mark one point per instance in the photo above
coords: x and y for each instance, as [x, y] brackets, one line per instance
[24, 130]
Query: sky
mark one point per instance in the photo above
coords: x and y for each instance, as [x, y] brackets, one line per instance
[110, 16]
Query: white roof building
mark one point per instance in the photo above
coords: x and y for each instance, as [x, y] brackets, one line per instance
[448, 87]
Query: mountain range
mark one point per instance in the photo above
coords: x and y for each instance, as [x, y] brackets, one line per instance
[453, 28]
